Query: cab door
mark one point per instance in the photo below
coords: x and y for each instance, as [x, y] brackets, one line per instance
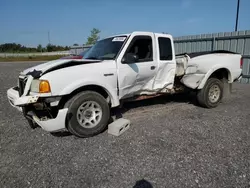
[166, 62]
[139, 75]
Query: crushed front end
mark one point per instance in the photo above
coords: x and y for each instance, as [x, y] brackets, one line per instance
[37, 103]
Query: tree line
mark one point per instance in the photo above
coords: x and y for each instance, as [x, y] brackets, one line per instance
[16, 48]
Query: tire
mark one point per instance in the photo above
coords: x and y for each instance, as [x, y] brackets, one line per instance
[85, 108]
[203, 95]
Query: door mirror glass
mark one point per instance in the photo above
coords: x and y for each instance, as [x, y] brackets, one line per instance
[129, 58]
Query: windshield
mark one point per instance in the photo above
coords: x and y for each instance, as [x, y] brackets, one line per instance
[106, 48]
[84, 52]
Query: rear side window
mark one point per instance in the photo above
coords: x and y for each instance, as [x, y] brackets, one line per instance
[165, 48]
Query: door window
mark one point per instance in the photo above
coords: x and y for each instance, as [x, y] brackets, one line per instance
[142, 47]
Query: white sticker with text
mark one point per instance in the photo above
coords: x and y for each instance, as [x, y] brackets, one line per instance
[119, 39]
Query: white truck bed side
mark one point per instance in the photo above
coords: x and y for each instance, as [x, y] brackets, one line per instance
[196, 70]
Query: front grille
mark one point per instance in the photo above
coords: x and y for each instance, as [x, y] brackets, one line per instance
[22, 82]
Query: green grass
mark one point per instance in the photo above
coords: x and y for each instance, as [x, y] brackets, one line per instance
[31, 58]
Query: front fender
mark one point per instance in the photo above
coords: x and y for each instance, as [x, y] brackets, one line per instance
[112, 92]
[210, 72]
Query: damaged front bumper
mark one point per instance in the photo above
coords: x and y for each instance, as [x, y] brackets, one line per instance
[53, 125]
[16, 101]
[50, 124]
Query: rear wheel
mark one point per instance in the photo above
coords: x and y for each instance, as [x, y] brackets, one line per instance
[88, 114]
[211, 94]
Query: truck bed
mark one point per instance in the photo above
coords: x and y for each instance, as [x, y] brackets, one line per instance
[193, 69]
[182, 59]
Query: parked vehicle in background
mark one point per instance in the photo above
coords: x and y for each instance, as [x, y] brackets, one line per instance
[77, 94]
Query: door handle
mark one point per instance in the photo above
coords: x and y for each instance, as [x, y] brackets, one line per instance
[152, 67]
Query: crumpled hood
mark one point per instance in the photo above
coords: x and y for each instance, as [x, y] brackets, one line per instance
[44, 67]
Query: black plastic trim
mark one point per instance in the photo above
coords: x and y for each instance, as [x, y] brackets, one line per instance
[196, 54]
[35, 74]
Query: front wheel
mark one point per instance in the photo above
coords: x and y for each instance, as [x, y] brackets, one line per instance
[211, 94]
[88, 114]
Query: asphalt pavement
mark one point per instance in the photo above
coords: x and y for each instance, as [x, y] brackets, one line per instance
[171, 143]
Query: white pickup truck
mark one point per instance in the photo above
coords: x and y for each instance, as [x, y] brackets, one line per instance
[77, 94]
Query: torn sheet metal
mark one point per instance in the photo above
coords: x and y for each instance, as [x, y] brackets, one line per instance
[145, 78]
[192, 80]
[165, 76]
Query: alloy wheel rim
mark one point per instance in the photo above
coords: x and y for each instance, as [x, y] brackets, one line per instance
[89, 114]
[214, 93]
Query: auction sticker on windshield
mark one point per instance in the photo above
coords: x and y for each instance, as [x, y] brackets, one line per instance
[119, 39]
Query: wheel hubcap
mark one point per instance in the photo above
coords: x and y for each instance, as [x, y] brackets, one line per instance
[89, 114]
[214, 93]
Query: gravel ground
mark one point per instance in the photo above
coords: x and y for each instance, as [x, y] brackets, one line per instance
[171, 143]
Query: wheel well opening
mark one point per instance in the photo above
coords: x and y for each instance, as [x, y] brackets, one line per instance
[221, 74]
[95, 88]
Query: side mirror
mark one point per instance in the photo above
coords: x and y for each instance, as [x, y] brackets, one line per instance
[129, 58]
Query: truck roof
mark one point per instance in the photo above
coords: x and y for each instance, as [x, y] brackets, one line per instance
[137, 32]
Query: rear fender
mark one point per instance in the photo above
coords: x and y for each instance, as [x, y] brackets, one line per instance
[210, 72]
